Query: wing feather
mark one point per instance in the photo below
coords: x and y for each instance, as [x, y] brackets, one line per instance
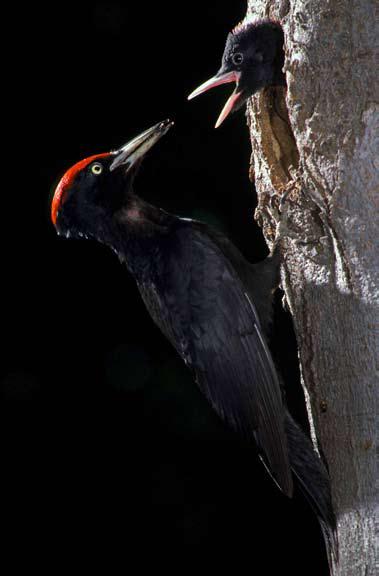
[222, 341]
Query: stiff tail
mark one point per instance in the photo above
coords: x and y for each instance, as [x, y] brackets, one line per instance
[313, 479]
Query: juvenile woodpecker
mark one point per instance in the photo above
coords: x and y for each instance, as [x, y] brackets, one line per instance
[253, 58]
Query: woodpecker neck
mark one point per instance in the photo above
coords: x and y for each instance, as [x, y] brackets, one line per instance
[143, 219]
[140, 230]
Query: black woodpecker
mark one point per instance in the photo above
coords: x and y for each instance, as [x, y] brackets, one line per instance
[253, 58]
[212, 305]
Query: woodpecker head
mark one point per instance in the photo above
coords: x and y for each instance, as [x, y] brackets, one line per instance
[253, 58]
[94, 189]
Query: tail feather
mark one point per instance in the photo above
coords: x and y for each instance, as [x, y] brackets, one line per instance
[313, 479]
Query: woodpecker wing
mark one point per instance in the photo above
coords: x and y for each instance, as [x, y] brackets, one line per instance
[217, 331]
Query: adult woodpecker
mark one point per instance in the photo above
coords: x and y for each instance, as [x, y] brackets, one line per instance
[253, 58]
[212, 305]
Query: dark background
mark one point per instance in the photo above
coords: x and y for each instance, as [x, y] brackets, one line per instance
[111, 454]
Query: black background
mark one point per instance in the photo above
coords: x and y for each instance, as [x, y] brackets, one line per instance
[111, 454]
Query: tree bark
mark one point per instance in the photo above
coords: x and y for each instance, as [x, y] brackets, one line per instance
[317, 139]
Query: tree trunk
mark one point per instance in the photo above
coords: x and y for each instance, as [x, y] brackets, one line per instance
[316, 139]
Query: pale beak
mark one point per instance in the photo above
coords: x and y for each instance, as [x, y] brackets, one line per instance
[217, 80]
[229, 107]
[221, 78]
[136, 149]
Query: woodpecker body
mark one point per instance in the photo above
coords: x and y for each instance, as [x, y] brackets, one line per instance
[253, 58]
[212, 305]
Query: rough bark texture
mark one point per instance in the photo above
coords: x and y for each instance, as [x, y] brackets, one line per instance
[318, 139]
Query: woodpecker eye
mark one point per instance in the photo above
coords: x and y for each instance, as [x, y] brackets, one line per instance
[237, 58]
[96, 168]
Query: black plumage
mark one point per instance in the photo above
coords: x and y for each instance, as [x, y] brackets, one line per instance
[212, 305]
[253, 58]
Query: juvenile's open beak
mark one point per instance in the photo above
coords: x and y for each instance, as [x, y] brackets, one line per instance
[221, 78]
[136, 149]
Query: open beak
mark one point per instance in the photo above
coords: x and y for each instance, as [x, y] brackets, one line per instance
[221, 78]
[136, 149]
